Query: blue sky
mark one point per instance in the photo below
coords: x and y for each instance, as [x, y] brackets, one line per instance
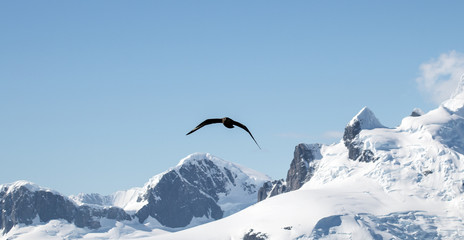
[97, 96]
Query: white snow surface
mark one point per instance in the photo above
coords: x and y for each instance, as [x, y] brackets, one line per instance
[11, 187]
[456, 102]
[367, 119]
[413, 190]
[126, 200]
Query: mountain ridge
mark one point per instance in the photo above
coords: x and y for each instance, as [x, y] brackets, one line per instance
[220, 188]
[411, 187]
[405, 182]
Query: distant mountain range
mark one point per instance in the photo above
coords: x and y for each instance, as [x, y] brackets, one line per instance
[201, 188]
[405, 182]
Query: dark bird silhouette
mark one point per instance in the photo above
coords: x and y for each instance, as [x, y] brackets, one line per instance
[228, 123]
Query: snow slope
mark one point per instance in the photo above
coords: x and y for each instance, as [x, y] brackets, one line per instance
[412, 189]
[366, 119]
[126, 199]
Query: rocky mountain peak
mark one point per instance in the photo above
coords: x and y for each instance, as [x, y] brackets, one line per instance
[21, 202]
[301, 170]
[200, 186]
[30, 186]
[302, 165]
[366, 120]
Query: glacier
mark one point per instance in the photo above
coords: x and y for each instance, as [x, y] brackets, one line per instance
[377, 182]
[411, 186]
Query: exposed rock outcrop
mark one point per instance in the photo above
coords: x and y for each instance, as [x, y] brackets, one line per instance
[194, 188]
[303, 165]
[301, 170]
[200, 186]
[365, 119]
[176, 199]
[270, 189]
[22, 202]
[416, 112]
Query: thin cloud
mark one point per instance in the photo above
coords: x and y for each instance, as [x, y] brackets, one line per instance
[440, 77]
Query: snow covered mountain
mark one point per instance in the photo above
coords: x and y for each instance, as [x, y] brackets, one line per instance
[405, 182]
[201, 188]
[306, 157]
[25, 203]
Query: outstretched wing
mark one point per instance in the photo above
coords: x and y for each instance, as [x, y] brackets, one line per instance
[246, 129]
[206, 122]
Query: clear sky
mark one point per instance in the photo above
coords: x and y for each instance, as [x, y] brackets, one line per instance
[97, 96]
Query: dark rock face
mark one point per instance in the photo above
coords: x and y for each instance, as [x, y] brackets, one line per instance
[17, 207]
[367, 156]
[83, 218]
[355, 151]
[51, 206]
[23, 205]
[351, 131]
[301, 170]
[252, 235]
[270, 189]
[301, 167]
[192, 191]
[417, 112]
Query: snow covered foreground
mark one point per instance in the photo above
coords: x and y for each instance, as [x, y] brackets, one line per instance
[413, 189]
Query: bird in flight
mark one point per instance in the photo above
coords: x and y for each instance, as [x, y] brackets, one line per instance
[228, 123]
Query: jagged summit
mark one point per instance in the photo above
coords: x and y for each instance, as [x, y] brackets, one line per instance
[404, 182]
[302, 168]
[199, 189]
[23, 202]
[197, 158]
[366, 119]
